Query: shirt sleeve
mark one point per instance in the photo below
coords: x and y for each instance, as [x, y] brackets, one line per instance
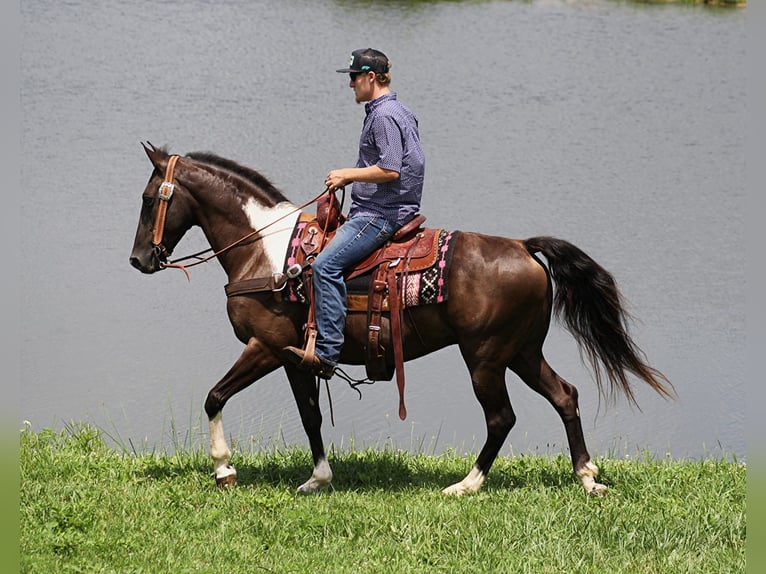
[388, 139]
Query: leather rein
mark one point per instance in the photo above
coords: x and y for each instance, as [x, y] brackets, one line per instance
[166, 189]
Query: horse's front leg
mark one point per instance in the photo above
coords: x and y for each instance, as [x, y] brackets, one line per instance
[225, 473]
[255, 362]
[488, 379]
[306, 392]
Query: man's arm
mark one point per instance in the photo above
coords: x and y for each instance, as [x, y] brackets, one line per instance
[338, 178]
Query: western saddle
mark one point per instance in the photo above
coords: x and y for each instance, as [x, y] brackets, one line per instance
[412, 248]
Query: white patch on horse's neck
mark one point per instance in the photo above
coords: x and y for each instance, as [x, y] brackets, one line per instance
[275, 236]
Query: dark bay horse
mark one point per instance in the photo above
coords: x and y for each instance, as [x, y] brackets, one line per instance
[499, 309]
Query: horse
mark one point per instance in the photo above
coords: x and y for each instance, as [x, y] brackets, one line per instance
[500, 306]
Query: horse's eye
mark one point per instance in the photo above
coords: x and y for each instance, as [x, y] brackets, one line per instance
[148, 200]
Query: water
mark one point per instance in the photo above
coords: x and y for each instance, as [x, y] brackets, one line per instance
[619, 127]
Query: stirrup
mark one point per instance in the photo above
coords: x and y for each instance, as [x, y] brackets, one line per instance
[308, 362]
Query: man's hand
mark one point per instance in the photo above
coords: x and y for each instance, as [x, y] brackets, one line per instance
[337, 179]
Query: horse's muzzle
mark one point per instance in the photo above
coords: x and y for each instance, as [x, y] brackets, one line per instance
[148, 263]
[136, 262]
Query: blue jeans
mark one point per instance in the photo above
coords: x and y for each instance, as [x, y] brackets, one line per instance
[354, 240]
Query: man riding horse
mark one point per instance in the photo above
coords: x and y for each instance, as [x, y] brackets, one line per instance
[386, 191]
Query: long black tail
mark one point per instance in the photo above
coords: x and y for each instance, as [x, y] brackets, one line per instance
[590, 304]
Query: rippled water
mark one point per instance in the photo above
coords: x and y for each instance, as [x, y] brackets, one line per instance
[617, 126]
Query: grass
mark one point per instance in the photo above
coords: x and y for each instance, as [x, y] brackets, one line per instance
[728, 3]
[85, 507]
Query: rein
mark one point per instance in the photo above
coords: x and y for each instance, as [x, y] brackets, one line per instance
[166, 192]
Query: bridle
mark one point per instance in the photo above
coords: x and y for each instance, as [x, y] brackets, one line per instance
[166, 189]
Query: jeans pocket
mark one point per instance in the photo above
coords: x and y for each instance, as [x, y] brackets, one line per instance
[386, 230]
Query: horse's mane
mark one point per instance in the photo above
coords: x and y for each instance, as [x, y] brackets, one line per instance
[246, 173]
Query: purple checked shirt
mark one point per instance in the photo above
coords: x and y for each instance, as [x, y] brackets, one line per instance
[390, 140]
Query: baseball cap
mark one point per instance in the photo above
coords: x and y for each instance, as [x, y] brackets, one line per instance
[367, 60]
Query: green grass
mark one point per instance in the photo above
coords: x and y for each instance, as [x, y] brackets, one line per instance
[87, 508]
[728, 3]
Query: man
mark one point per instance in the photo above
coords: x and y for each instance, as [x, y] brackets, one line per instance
[387, 187]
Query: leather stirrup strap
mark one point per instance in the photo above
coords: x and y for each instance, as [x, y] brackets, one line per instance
[311, 326]
[309, 350]
[396, 338]
[309, 347]
[375, 359]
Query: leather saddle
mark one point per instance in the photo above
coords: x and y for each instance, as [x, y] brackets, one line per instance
[412, 248]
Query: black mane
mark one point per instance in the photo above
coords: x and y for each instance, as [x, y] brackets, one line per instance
[242, 171]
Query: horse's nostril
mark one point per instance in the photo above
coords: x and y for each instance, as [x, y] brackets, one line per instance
[135, 262]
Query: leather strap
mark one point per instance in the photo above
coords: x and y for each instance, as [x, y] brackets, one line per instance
[394, 300]
[375, 359]
[274, 283]
[311, 325]
[165, 193]
[375, 356]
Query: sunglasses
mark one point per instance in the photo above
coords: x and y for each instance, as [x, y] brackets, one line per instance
[355, 75]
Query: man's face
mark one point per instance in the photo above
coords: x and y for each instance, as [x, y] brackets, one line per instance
[363, 84]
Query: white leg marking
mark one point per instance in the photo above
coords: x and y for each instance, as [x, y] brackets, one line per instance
[320, 478]
[219, 450]
[470, 484]
[277, 235]
[587, 476]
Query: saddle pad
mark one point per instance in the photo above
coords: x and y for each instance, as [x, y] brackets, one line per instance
[422, 287]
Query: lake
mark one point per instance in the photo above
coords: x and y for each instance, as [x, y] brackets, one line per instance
[617, 126]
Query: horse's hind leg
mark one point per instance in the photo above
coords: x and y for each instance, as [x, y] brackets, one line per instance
[306, 393]
[535, 371]
[488, 381]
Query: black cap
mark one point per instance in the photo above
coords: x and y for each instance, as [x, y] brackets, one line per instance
[367, 60]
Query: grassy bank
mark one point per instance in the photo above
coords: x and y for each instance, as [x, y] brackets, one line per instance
[86, 508]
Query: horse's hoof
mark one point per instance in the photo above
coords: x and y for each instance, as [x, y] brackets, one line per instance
[598, 490]
[320, 479]
[587, 475]
[224, 482]
[469, 485]
[455, 490]
[312, 487]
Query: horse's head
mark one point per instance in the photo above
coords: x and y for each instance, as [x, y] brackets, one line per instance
[166, 214]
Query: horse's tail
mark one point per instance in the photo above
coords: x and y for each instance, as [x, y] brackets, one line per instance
[590, 304]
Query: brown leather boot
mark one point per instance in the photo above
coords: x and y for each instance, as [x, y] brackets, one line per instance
[314, 364]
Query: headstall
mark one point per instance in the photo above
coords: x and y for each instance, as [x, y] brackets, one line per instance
[165, 193]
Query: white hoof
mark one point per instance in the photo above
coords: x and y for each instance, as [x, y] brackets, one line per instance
[226, 476]
[312, 486]
[587, 476]
[320, 479]
[469, 485]
[457, 489]
[598, 490]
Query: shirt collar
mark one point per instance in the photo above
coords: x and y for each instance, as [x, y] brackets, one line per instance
[369, 106]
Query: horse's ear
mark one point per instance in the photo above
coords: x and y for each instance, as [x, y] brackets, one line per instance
[156, 156]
